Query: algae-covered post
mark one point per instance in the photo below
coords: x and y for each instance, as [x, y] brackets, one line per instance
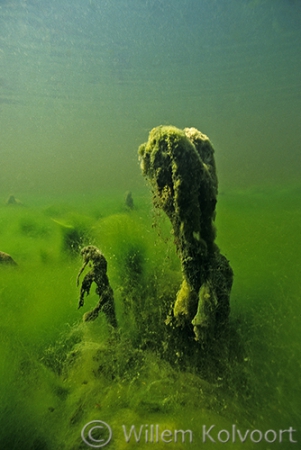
[181, 169]
[98, 274]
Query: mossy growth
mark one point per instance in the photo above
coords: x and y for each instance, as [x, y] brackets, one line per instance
[141, 288]
[181, 169]
[75, 233]
[31, 227]
[98, 275]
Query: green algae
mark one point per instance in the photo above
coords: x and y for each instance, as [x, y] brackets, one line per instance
[180, 167]
[57, 373]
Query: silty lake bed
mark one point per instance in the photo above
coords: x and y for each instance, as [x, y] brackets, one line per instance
[60, 373]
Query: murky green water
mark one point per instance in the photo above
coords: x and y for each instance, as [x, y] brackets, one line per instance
[81, 85]
[59, 373]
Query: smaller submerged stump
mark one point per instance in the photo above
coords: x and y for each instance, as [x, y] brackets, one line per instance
[98, 275]
[5, 258]
[12, 200]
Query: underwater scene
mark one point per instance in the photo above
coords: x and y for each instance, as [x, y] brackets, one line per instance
[150, 215]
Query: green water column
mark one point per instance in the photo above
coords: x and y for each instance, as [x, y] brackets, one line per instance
[181, 169]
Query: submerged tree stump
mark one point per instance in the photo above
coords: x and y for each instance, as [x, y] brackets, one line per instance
[98, 275]
[5, 258]
[181, 169]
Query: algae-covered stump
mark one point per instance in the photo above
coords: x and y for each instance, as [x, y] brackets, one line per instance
[98, 274]
[181, 169]
[5, 258]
